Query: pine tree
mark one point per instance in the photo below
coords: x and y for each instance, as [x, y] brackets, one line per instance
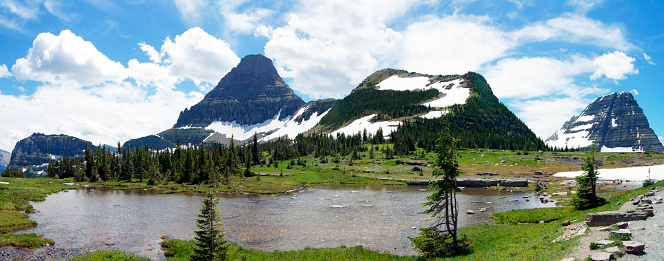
[441, 238]
[586, 194]
[210, 243]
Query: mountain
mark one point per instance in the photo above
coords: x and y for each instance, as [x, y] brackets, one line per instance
[390, 98]
[251, 99]
[251, 93]
[611, 123]
[35, 152]
[4, 159]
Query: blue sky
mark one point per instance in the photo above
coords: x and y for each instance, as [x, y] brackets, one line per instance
[109, 71]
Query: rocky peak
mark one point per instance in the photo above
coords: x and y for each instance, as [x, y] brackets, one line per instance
[250, 93]
[614, 122]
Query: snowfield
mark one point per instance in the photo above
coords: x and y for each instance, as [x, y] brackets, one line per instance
[434, 114]
[291, 128]
[240, 132]
[454, 93]
[633, 173]
[363, 123]
[620, 149]
[570, 140]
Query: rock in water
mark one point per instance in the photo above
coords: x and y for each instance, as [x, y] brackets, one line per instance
[250, 93]
[612, 123]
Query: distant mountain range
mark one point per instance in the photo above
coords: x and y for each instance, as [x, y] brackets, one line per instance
[252, 99]
[611, 123]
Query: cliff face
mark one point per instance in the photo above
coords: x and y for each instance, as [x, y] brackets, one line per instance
[611, 123]
[4, 159]
[250, 93]
[34, 152]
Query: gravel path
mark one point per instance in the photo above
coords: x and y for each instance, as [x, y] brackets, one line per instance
[649, 232]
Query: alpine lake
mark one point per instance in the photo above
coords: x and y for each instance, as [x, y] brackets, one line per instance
[377, 217]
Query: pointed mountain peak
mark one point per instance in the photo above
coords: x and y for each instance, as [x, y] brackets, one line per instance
[251, 93]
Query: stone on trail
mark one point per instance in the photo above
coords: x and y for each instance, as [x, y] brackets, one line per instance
[566, 223]
[613, 249]
[601, 256]
[634, 247]
[621, 224]
[622, 232]
[604, 242]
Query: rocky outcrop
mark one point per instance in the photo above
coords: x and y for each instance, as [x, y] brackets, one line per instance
[611, 217]
[478, 183]
[611, 123]
[250, 93]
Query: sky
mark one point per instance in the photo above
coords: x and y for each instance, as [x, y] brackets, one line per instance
[109, 71]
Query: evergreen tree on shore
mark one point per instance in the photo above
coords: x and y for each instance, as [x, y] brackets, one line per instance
[210, 242]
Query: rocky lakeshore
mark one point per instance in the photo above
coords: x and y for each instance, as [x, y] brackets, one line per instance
[43, 253]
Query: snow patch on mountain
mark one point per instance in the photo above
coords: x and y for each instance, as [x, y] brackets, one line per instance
[292, 128]
[359, 125]
[633, 173]
[570, 140]
[433, 114]
[453, 92]
[243, 132]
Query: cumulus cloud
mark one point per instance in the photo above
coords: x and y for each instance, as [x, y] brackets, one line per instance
[117, 103]
[327, 48]
[635, 92]
[615, 65]
[454, 44]
[67, 58]
[661, 139]
[545, 116]
[4, 71]
[198, 56]
[105, 114]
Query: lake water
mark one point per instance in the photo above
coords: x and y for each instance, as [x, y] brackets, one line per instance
[376, 217]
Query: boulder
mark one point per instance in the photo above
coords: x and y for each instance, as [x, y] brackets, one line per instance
[611, 217]
[566, 223]
[621, 224]
[601, 256]
[604, 242]
[634, 247]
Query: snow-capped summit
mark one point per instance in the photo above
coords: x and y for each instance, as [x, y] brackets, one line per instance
[611, 123]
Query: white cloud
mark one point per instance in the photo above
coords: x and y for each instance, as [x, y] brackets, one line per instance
[531, 77]
[584, 6]
[615, 65]
[454, 44]
[25, 10]
[55, 8]
[575, 28]
[104, 114]
[545, 116]
[661, 139]
[635, 92]
[67, 58]
[4, 71]
[327, 48]
[198, 56]
[246, 22]
[648, 59]
[190, 10]
[154, 55]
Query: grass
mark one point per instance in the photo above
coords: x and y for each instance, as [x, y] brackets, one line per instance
[14, 199]
[177, 250]
[24, 240]
[110, 255]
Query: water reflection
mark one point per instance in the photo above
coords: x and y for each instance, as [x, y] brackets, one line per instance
[376, 217]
